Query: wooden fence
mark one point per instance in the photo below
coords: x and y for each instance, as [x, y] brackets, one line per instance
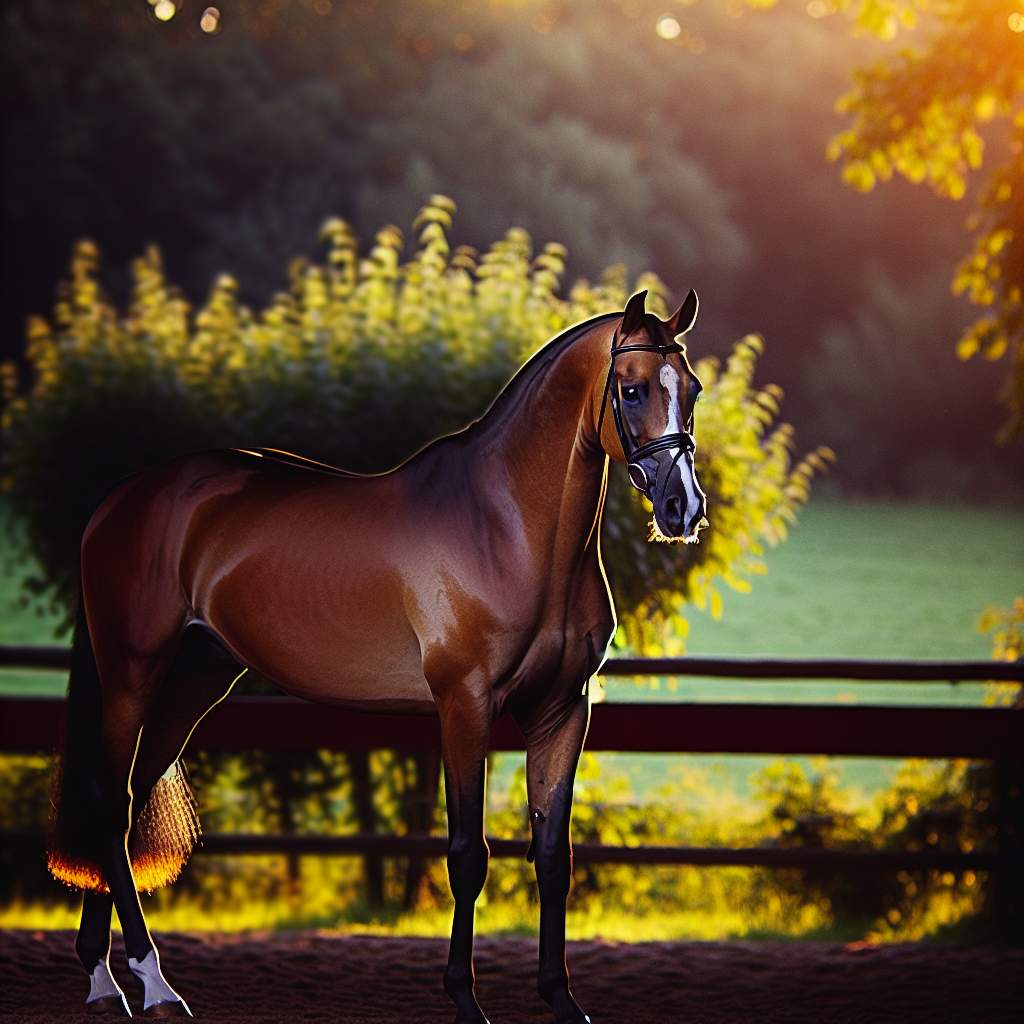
[281, 723]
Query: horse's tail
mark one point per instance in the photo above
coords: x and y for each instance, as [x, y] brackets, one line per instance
[85, 820]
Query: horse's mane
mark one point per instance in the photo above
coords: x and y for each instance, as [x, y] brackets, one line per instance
[508, 398]
[536, 366]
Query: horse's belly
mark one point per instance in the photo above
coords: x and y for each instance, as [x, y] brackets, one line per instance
[376, 687]
[352, 663]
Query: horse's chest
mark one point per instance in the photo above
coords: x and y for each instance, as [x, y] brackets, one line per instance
[561, 650]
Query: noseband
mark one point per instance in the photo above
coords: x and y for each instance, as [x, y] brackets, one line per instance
[634, 453]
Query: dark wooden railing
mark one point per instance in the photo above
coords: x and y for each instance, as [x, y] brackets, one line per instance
[282, 723]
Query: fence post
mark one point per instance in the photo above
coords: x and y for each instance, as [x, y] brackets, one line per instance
[421, 805]
[362, 799]
[1009, 880]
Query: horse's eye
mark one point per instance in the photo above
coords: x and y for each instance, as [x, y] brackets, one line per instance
[631, 393]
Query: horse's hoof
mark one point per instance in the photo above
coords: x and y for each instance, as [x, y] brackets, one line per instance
[169, 1008]
[109, 1006]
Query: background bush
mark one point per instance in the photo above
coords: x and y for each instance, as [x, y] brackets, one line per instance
[362, 360]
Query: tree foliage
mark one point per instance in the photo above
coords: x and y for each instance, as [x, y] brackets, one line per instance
[576, 121]
[928, 114]
[360, 362]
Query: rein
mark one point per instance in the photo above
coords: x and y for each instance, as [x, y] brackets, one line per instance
[633, 453]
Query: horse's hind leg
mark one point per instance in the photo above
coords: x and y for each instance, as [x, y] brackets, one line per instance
[201, 677]
[198, 680]
[93, 949]
[124, 709]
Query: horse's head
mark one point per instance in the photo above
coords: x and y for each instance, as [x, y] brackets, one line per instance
[652, 390]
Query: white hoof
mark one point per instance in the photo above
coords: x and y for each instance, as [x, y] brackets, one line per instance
[157, 990]
[105, 995]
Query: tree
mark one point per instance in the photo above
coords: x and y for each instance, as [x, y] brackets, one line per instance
[929, 114]
[894, 402]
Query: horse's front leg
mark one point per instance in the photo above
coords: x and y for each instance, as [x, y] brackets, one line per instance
[465, 733]
[552, 753]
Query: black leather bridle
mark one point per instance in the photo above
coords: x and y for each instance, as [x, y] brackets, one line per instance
[634, 454]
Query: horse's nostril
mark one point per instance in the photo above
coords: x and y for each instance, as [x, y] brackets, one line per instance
[674, 510]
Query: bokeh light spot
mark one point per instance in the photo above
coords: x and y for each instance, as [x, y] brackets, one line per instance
[210, 21]
[165, 10]
[1016, 22]
[667, 27]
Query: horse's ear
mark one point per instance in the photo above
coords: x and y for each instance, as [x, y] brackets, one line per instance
[634, 314]
[685, 316]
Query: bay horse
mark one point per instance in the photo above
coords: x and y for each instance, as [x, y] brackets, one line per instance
[466, 583]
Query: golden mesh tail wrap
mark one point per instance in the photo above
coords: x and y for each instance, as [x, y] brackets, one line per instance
[161, 841]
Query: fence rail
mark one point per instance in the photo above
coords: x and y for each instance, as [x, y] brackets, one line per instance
[375, 844]
[871, 670]
[282, 723]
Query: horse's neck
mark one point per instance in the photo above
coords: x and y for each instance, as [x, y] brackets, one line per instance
[540, 447]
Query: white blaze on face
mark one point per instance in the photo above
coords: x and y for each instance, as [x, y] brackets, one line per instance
[669, 378]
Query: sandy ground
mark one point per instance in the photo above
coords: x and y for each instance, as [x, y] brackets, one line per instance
[365, 980]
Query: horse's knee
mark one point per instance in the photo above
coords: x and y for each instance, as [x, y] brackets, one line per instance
[553, 864]
[467, 866]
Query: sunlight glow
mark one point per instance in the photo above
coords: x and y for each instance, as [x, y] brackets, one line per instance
[210, 21]
[1016, 22]
[667, 27]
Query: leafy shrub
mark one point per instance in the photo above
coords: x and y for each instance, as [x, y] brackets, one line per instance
[942, 806]
[359, 362]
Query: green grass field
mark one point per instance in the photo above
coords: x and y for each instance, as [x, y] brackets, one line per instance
[854, 579]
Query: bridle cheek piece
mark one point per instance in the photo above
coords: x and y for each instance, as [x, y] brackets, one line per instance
[634, 454]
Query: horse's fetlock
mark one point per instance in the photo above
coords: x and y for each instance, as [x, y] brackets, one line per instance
[90, 953]
[550, 983]
[458, 980]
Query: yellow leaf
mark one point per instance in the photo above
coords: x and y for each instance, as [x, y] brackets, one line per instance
[966, 347]
[996, 348]
[985, 106]
[859, 175]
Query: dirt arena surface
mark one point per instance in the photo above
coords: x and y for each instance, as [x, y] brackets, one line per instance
[294, 978]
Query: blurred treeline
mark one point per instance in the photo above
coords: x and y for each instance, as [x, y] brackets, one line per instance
[703, 159]
[937, 806]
